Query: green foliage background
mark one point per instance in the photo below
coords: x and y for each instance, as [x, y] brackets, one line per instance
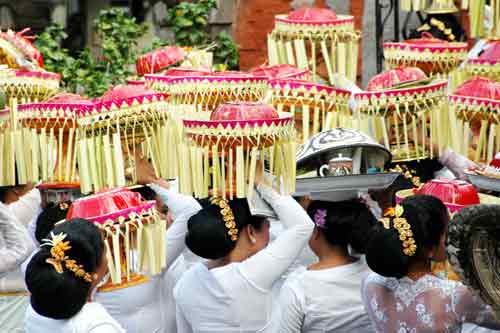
[118, 33]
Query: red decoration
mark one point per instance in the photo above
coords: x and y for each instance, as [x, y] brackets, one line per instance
[109, 205]
[159, 59]
[123, 91]
[479, 87]
[392, 77]
[312, 14]
[456, 193]
[244, 111]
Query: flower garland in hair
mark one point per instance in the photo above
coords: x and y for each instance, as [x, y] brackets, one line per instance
[58, 248]
[395, 214]
[320, 218]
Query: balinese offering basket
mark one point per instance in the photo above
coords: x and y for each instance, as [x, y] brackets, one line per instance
[476, 105]
[51, 125]
[403, 111]
[126, 122]
[134, 233]
[315, 107]
[307, 36]
[223, 148]
[434, 56]
[209, 91]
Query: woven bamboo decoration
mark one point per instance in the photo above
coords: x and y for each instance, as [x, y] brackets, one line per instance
[134, 235]
[28, 86]
[207, 92]
[436, 59]
[487, 64]
[113, 133]
[219, 157]
[307, 35]
[315, 107]
[404, 119]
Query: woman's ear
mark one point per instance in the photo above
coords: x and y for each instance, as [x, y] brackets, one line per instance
[251, 233]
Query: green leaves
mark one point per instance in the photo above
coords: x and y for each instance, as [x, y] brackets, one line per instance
[189, 21]
[87, 74]
[226, 51]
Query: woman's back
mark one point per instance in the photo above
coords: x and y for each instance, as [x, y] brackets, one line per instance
[92, 318]
[428, 304]
[227, 299]
[326, 300]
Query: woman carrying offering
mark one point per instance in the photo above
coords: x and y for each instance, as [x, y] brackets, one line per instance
[232, 292]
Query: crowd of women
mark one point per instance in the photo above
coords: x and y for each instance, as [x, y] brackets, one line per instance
[319, 267]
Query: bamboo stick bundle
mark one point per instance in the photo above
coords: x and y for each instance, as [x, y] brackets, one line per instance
[127, 122]
[406, 112]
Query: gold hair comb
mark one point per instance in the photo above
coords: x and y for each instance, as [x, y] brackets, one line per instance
[403, 228]
[227, 217]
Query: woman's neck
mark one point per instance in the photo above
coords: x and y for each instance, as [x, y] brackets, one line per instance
[236, 255]
[334, 257]
[418, 269]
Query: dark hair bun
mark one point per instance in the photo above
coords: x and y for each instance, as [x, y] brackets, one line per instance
[53, 213]
[346, 222]
[427, 217]
[62, 295]
[207, 234]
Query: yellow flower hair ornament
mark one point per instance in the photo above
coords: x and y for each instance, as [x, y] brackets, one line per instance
[402, 226]
[227, 217]
[58, 248]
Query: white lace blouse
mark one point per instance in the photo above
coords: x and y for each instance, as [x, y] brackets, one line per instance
[429, 304]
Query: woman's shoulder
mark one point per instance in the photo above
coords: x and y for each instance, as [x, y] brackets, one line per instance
[94, 316]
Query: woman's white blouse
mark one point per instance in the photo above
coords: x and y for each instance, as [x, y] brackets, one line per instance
[237, 297]
[15, 243]
[327, 300]
[27, 207]
[429, 304]
[92, 318]
[139, 308]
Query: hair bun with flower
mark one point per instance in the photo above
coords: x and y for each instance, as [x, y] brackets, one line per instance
[395, 215]
[320, 218]
[58, 248]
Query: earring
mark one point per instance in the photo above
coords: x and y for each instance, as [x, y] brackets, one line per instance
[253, 240]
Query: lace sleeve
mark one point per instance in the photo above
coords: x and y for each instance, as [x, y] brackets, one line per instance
[469, 308]
[371, 293]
